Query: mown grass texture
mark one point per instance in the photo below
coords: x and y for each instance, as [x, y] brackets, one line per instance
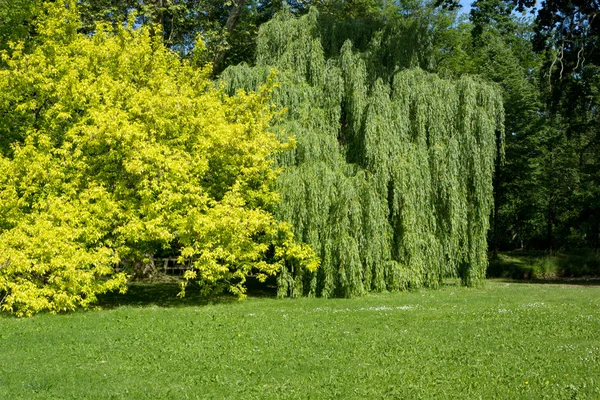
[506, 340]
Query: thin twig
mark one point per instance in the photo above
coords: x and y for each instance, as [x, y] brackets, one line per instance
[562, 65]
[579, 57]
[550, 71]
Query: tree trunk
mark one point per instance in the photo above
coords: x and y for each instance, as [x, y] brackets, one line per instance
[550, 222]
[144, 269]
[597, 236]
[551, 188]
[157, 16]
[496, 198]
[234, 15]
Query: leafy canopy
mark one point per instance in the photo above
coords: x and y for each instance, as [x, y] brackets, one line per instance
[391, 179]
[113, 149]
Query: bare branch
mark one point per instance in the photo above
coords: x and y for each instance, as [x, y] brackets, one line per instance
[579, 53]
[562, 66]
[550, 71]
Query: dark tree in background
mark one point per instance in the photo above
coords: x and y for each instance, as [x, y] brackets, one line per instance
[568, 33]
[547, 192]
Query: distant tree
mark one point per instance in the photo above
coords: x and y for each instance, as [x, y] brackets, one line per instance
[503, 53]
[568, 33]
[550, 135]
[227, 28]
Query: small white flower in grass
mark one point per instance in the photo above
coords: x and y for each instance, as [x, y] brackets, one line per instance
[381, 308]
[533, 305]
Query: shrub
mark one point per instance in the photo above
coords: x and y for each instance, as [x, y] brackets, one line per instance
[119, 149]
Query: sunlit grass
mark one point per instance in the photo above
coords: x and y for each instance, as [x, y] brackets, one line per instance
[506, 340]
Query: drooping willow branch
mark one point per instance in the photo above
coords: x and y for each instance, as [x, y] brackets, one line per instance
[391, 179]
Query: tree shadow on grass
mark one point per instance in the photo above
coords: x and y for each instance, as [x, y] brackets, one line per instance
[580, 267]
[164, 293]
[583, 281]
[510, 268]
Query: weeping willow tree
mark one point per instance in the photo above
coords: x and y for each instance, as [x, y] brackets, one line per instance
[391, 178]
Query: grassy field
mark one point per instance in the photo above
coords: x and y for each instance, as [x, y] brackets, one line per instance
[507, 340]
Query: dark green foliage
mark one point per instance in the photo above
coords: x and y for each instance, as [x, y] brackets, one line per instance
[547, 192]
[567, 34]
[391, 178]
[581, 265]
[16, 18]
[503, 54]
[494, 14]
[181, 23]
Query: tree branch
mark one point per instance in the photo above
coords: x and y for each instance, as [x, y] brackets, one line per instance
[234, 15]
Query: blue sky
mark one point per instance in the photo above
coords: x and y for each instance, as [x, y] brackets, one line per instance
[466, 6]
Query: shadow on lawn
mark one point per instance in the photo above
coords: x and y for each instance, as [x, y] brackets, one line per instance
[555, 281]
[164, 294]
[576, 267]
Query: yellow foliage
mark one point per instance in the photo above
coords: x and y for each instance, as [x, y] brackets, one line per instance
[113, 148]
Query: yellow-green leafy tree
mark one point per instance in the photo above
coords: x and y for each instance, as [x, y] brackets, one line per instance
[111, 149]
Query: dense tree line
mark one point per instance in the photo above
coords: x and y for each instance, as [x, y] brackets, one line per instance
[399, 129]
[547, 192]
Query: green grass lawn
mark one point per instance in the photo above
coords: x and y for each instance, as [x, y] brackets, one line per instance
[507, 340]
